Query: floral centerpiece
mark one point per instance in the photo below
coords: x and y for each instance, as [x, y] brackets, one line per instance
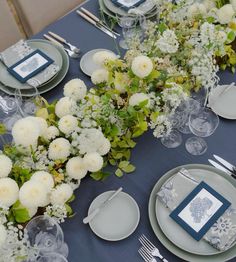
[86, 130]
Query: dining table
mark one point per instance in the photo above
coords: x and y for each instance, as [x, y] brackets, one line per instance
[151, 158]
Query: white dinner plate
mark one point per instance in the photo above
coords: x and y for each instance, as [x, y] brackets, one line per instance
[87, 65]
[223, 103]
[118, 219]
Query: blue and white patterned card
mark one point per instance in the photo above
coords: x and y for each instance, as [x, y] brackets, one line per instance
[200, 210]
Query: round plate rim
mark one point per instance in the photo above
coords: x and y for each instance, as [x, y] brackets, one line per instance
[161, 236]
[135, 226]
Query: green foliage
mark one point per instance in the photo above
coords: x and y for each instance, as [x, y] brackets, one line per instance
[20, 213]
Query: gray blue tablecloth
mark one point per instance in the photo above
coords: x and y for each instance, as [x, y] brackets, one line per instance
[152, 160]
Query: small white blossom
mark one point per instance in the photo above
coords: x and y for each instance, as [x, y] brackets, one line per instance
[59, 149]
[99, 76]
[75, 89]
[61, 194]
[3, 235]
[75, 168]
[57, 212]
[5, 166]
[65, 106]
[67, 124]
[93, 162]
[9, 191]
[142, 66]
[168, 42]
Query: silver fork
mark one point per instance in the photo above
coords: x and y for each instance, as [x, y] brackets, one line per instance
[147, 257]
[147, 244]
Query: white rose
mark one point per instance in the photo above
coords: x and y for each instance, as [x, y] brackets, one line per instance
[45, 178]
[93, 162]
[59, 149]
[225, 14]
[33, 194]
[5, 166]
[9, 192]
[75, 168]
[51, 133]
[102, 57]
[99, 76]
[65, 106]
[233, 3]
[25, 133]
[142, 66]
[104, 148]
[137, 98]
[68, 124]
[3, 235]
[61, 194]
[42, 123]
[75, 89]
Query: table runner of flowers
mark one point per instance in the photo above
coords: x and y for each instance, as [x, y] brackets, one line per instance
[87, 130]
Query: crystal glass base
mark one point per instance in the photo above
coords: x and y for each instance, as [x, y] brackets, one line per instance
[184, 129]
[173, 140]
[196, 146]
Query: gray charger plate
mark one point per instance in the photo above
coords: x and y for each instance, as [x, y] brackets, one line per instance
[229, 254]
[50, 85]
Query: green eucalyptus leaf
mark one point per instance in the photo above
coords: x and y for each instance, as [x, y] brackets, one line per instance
[20, 213]
[119, 173]
[129, 168]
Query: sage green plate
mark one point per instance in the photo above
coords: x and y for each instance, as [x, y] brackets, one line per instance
[177, 234]
[48, 86]
[219, 257]
[117, 219]
[48, 48]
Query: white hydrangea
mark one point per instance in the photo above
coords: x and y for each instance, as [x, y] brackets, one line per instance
[25, 133]
[233, 3]
[45, 178]
[105, 147]
[9, 192]
[168, 42]
[93, 162]
[59, 149]
[51, 133]
[67, 124]
[3, 235]
[142, 66]
[225, 14]
[137, 98]
[42, 123]
[33, 194]
[99, 76]
[75, 168]
[102, 57]
[75, 89]
[61, 194]
[5, 165]
[197, 9]
[65, 106]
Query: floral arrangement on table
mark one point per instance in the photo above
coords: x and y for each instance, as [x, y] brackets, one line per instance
[86, 130]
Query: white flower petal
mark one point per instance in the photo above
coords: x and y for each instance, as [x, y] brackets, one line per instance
[5, 166]
[9, 192]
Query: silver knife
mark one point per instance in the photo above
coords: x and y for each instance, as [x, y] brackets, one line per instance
[220, 167]
[91, 216]
[225, 163]
[91, 21]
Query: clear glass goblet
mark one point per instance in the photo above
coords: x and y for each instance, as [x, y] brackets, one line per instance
[202, 123]
[172, 140]
[53, 257]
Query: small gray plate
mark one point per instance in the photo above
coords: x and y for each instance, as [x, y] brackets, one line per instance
[118, 219]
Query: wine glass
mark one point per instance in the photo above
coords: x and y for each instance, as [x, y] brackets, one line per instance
[202, 123]
[172, 140]
[53, 257]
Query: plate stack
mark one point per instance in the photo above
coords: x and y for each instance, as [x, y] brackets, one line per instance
[146, 8]
[174, 237]
[9, 84]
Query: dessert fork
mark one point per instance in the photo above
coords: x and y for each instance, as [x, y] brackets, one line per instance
[147, 257]
[154, 251]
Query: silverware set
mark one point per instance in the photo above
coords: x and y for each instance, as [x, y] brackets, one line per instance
[72, 50]
[223, 166]
[148, 251]
[94, 20]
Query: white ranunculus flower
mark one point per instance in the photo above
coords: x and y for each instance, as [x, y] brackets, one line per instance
[51, 133]
[225, 14]
[65, 106]
[68, 124]
[5, 165]
[9, 192]
[93, 162]
[59, 149]
[209, 4]
[137, 98]
[233, 3]
[3, 235]
[75, 168]
[61, 194]
[41, 122]
[25, 133]
[142, 66]
[45, 178]
[105, 147]
[99, 76]
[196, 9]
[75, 89]
[102, 57]
[33, 194]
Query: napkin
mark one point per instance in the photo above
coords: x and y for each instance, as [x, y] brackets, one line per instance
[222, 235]
[18, 51]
